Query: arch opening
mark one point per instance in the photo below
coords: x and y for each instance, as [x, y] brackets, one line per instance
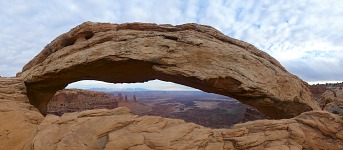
[193, 55]
[156, 98]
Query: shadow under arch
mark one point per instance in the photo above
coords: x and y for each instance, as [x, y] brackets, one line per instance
[192, 55]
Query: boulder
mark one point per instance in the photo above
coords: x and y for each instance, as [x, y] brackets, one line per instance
[193, 55]
[331, 95]
[332, 100]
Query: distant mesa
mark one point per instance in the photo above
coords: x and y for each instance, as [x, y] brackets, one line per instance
[72, 100]
[117, 89]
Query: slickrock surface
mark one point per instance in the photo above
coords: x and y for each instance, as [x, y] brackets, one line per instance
[23, 127]
[194, 55]
[118, 129]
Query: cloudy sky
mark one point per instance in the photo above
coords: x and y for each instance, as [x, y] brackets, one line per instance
[304, 35]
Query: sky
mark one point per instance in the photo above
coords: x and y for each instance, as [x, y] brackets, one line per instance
[304, 35]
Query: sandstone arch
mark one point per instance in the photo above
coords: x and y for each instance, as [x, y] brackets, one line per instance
[190, 54]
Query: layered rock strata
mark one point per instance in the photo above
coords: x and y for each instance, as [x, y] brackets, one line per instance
[71, 100]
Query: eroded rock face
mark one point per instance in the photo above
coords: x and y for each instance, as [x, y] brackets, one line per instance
[194, 55]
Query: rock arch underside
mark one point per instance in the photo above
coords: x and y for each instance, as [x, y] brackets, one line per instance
[193, 55]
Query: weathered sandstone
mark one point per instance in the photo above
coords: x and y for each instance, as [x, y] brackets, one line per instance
[190, 54]
[18, 119]
[332, 100]
[118, 129]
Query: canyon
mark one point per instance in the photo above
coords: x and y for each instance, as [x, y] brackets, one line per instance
[190, 54]
[78, 100]
[206, 109]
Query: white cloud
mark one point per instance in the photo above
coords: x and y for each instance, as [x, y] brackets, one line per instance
[150, 85]
[302, 34]
[305, 36]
